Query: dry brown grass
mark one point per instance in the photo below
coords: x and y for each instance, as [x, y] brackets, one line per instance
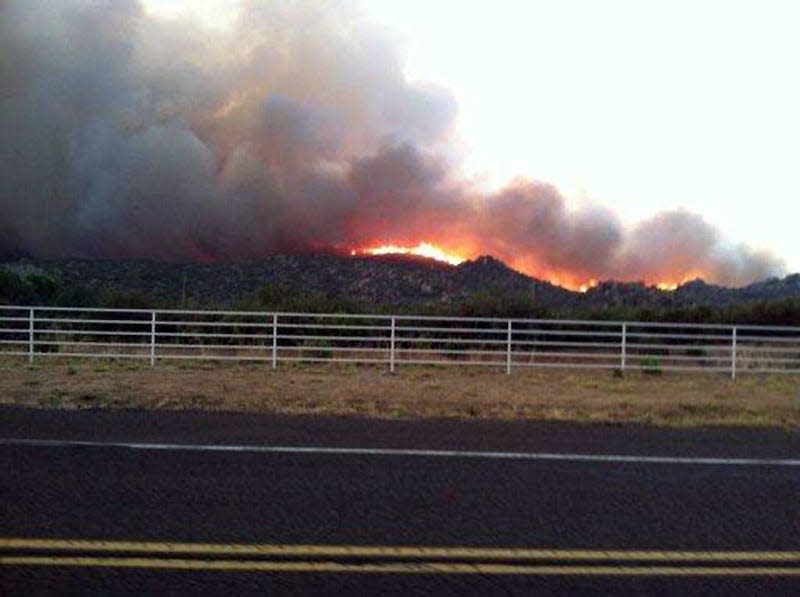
[668, 399]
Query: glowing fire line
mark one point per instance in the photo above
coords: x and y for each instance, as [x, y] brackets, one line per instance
[422, 250]
[431, 251]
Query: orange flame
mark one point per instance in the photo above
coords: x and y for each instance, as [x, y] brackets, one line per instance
[466, 250]
[675, 284]
[422, 250]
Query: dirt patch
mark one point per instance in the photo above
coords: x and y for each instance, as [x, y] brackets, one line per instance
[597, 396]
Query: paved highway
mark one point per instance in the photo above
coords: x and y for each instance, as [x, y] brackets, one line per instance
[127, 502]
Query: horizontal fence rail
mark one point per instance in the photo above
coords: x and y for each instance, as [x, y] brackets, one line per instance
[395, 340]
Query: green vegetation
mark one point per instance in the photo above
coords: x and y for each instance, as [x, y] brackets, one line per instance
[43, 290]
[274, 297]
[32, 289]
[652, 366]
[495, 303]
[37, 289]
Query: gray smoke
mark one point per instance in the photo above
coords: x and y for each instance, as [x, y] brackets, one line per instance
[122, 135]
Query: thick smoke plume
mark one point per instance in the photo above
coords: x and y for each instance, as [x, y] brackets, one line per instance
[125, 135]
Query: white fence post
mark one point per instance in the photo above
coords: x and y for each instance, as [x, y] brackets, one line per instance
[391, 345]
[274, 340]
[623, 355]
[508, 350]
[485, 337]
[153, 339]
[30, 337]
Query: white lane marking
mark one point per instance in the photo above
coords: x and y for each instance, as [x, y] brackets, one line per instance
[542, 456]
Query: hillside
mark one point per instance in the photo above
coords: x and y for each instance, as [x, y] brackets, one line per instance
[386, 280]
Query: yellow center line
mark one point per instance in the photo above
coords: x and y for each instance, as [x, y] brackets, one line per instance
[395, 552]
[393, 568]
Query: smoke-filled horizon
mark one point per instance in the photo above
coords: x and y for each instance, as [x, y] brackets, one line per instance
[129, 136]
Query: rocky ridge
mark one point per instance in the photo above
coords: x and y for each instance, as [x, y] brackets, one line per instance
[385, 280]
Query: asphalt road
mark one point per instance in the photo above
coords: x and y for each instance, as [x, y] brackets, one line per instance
[243, 504]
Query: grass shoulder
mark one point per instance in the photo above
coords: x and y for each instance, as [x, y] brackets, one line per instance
[667, 399]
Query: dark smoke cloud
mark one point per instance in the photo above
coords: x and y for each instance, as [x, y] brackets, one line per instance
[122, 135]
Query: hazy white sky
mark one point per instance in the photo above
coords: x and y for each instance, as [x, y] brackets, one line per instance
[640, 105]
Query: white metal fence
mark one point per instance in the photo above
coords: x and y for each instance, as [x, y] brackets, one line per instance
[395, 340]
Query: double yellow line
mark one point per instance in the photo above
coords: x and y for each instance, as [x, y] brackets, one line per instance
[392, 560]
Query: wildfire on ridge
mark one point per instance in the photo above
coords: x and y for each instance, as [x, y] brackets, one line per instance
[421, 250]
[674, 285]
[561, 278]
